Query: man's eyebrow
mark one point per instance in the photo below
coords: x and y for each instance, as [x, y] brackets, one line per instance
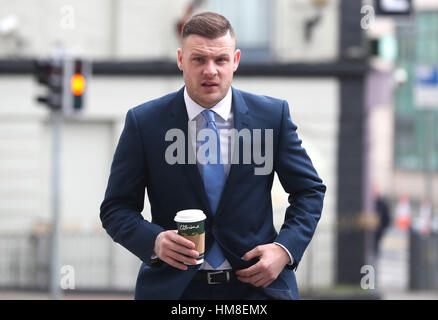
[203, 54]
[198, 54]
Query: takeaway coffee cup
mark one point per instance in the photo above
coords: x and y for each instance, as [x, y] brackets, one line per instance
[190, 224]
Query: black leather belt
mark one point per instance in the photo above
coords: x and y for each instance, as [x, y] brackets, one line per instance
[215, 277]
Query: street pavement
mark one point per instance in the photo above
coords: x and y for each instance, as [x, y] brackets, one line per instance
[393, 269]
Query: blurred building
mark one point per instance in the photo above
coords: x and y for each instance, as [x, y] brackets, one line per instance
[404, 46]
[309, 52]
[402, 101]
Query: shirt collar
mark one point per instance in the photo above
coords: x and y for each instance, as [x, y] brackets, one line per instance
[222, 108]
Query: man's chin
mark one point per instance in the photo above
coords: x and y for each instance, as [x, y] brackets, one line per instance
[209, 101]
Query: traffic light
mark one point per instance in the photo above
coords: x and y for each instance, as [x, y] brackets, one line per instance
[66, 80]
[77, 71]
[50, 74]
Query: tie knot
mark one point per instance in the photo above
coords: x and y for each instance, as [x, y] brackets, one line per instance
[208, 115]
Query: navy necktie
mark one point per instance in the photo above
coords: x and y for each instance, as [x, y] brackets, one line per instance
[214, 182]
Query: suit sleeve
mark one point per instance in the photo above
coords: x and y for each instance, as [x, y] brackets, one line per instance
[306, 190]
[120, 211]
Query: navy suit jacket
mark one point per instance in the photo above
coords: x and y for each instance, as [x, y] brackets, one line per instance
[244, 217]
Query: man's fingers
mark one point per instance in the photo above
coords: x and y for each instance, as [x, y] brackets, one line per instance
[172, 240]
[254, 269]
[175, 263]
[258, 275]
[183, 246]
[272, 259]
[175, 249]
[255, 280]
[181, 258]
[181, 240]
[259, 282]
[183, 250]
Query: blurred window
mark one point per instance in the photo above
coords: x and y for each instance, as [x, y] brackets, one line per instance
[408, 149]
[252, 23]
[427, 37]
[417, 44]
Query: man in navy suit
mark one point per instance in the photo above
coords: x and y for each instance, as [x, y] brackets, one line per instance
[245, 257]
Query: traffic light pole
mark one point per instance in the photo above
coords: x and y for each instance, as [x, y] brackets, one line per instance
[57, 121]
[64, 77]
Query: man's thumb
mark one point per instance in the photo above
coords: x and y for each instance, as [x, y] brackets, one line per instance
[256, 252]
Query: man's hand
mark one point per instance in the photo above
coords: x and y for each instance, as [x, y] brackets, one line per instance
[174, 249]
[272, 259]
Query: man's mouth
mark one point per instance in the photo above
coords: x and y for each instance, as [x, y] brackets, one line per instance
[209, 84]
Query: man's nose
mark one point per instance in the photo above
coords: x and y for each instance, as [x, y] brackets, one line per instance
[210, 69]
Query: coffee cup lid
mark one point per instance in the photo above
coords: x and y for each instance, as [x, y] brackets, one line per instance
[190, 215]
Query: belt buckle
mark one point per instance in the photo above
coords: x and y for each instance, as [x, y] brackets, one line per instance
[209, 280]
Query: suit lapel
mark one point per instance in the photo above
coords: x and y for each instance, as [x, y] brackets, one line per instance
[179, 119]
[241, 121]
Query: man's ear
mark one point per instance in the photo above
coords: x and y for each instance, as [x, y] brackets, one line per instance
[179, 60]
[236, 59]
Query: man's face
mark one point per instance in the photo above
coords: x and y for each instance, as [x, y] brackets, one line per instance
[208, 66]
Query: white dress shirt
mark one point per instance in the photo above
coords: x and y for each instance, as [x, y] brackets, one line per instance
[224, 118]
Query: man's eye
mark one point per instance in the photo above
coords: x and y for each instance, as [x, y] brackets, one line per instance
[197, 59]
